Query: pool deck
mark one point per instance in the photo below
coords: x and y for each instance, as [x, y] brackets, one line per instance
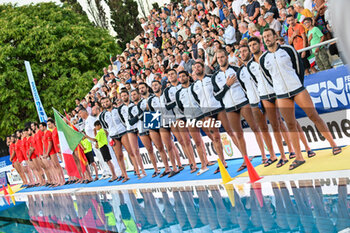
[323, 165]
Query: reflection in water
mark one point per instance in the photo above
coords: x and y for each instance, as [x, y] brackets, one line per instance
[300, 208]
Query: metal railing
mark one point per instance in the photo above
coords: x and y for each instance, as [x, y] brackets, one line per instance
[318, 45]
[335, 61]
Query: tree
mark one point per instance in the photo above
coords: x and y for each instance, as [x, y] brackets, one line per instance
[124, 20]
[75, 6]
[65, 51]
[98, 13]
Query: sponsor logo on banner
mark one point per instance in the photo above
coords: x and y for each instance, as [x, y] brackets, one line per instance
[226, 142]
[329, 90]
[152, 120]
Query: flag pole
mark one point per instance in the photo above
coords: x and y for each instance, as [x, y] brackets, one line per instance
[58, 112]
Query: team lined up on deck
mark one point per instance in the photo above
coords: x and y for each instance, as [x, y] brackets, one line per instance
[204, 61]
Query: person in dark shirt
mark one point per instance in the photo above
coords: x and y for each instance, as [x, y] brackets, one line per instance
[253, 10]
[271, 7]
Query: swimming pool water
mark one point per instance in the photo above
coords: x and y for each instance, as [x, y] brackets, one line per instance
[300, 206]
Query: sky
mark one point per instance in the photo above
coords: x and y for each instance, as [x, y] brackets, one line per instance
[84, 5]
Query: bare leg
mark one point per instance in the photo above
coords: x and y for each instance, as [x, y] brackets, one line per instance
[222, 116]
[248, 116]
[183, 137]
[235, 122]
[166, 139]
[32, 170]
[261, 122]
[20, 171]
[302, 137]
[216, 141]
[29, 173]
[155, 137]
[273, 116]
[126, 143]
[286, 107]
[39, 171]
[77, 162]
[146, 141]
[95, 168]
[197, 137]
[285, 134]
[111, 168]
[58, 168]
[120, 157]
[137, 161]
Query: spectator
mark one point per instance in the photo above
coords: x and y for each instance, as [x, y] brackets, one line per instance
[273, 23]
[254, 32]
[281, 4]
[291, 11]
[149, 76]
[77, 101]
[297, 38]
[285, 26]
[303, 13]
[230, 17]
[243, 28]
[232, 55]
[253, 10]
[220, 6]
[229, 35]
[315, 36]
[263, 24]
[271, 8]
[194, 25]
[187, 65]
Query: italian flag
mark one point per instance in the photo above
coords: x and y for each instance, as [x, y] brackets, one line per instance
[69, 140]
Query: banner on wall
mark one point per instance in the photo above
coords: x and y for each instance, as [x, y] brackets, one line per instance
[3, 179]
[39, 106]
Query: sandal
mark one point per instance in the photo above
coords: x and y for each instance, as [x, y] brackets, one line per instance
[156, 173]
[310, 154]
[263, 161]
[336, 150]
[141, 176]
[96, 178]
[281, 163]
[242, 167]
[211, 164]
[111, 180]
[295, 164]
[125, 180]
[201, 171]
[120, 178]
[269, 162]
[173, 173]
[292, 155]
[193, 170]
[217, 170]
[181, 168]
[164, 174]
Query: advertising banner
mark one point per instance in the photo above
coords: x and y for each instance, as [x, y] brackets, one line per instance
[39, 106]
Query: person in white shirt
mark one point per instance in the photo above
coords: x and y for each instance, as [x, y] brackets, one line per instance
[274, 23]
[230, 33]
[149, 77]
[194, 25]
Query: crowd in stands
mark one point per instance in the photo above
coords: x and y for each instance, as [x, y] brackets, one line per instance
[181, 33]
[203, 41]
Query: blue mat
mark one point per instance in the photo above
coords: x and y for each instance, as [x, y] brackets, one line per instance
[184, 175]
